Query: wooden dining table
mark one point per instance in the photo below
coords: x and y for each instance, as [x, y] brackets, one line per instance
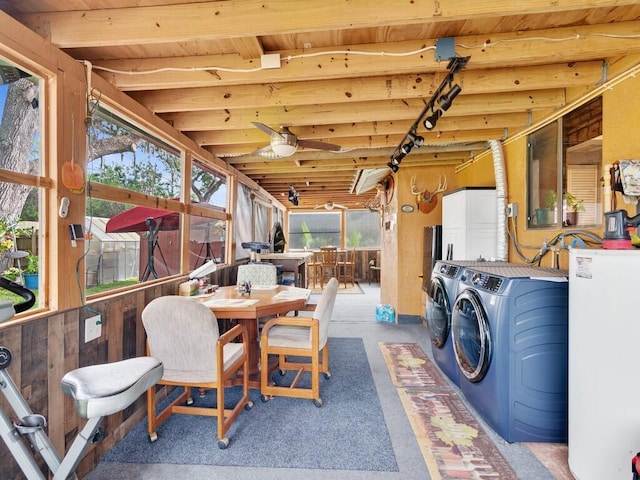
[263, 301]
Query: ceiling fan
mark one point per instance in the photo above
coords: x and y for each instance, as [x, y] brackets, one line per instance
[285, 143]
[331, 206]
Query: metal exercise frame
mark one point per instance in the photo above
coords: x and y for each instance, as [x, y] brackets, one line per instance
[31, 426]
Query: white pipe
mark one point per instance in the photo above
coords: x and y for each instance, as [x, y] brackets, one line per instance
[502, 251]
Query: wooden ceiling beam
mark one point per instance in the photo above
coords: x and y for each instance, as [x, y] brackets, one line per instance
[392, 110]
[540, 47]
[242, 18]
[352, 90]
[334, 133]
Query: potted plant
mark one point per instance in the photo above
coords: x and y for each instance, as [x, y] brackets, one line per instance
[544, 215]
[31, 273]
[574, 205]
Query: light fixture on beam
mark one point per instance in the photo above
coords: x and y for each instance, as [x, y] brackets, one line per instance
[411, 138]
[417, 140]
[431, 120]
[446, 100]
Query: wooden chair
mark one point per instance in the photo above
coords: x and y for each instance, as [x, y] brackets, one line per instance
[299, 337]
[313, 268]
[374, 268]
[347, 266]
[183, 334]
[328, 264]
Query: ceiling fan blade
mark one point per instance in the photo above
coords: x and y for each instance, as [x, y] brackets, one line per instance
[262, 150]
[318, 145]
[265, 128]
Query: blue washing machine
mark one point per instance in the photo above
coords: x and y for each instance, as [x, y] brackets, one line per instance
[440, 297]
[441, 294]
[509, 329]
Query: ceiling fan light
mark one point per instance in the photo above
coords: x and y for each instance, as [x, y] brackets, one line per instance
[283, 149]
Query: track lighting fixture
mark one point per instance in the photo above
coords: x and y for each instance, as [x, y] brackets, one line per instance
[417, 140]
[293, 195]
[411, 138]
[431, 120]
[446, 100]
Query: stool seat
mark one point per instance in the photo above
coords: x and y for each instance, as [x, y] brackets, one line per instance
[100, 390]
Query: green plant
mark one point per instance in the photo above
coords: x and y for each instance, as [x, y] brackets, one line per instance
[551, 198]
[11, 273]
[32, 264]
[573, 203]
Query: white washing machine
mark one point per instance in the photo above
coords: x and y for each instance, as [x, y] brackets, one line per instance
[509, 329]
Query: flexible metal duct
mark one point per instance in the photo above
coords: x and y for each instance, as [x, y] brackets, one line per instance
[502, 251]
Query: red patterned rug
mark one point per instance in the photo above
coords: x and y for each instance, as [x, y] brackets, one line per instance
[453, 444]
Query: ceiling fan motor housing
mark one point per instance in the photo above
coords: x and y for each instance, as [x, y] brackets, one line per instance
[284, 143]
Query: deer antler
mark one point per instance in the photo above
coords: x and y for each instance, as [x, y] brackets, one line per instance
[442, 186]
[414, 190]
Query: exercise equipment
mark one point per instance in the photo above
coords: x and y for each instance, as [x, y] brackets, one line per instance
[97, 391]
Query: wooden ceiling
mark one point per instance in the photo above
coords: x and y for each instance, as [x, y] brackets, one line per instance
[355, 73]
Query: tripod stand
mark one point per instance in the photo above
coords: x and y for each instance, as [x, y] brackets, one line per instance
[153, 226]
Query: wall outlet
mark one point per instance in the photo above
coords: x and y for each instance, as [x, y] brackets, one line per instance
[512, 210]
[92, 328]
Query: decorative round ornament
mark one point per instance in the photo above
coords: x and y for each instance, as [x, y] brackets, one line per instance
[406, 208]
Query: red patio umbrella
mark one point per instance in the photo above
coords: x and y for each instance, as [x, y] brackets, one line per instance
[139, 219]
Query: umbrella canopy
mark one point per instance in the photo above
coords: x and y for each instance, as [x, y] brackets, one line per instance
[141, 219]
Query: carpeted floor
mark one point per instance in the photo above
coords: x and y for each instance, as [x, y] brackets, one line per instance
[283, 432]
[452, 442]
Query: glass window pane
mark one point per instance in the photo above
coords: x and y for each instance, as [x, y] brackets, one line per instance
[21, 243]
[262, 223]
[123, 155]
[243, 221]
[362, 229]
[128, 244]
[206, 240]
[20, 130]
[208, 186]
[314, 230]
[543, 176]
[21, 212]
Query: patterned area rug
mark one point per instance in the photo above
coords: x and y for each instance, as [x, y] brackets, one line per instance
[453, 444]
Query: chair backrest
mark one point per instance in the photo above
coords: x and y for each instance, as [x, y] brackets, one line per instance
[258, 274]
[329, 255]
[324, 309]
[182, 334]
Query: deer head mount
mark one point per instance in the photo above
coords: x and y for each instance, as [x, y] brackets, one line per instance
[426, 200]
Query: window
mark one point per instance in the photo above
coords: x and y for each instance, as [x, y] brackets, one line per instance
[207, 227]
[312, 230]
[564, 163]
[243, 220]
[127, 162]
[362, 229]
[21, 196]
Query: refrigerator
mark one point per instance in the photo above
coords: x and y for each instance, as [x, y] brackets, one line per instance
[604, 363]
[431, 253]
